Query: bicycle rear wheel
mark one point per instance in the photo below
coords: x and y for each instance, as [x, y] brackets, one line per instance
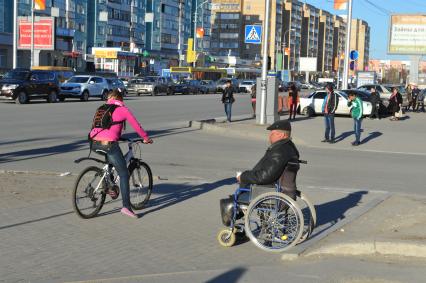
[86, 202]
[140, 184]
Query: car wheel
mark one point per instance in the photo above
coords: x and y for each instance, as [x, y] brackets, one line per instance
[61, 99]
[155, 92]
[308, 111]
[85, 96]
[52, 97]
[104, 95]
[169, 91]
[22, 98]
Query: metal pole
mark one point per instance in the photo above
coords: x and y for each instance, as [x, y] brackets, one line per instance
[265, 63]
[348, 46]
[195, 36]
[32, 33]
[180, 33]
[15, 34]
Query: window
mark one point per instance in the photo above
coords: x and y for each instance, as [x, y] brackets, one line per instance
[98, 80]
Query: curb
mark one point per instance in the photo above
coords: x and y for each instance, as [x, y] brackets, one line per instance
[208, 125]
[381, 247]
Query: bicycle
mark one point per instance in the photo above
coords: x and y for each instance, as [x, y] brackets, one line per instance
[94, 183]
[271, 220]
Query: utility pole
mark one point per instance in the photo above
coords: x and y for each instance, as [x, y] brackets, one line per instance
[180, 33]
[348, 46]
[15, 34]
[32, 33]
[264, 63]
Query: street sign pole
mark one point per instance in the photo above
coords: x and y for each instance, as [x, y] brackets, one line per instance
[264, 63]
[348, 46]
[15, 34]
[32, 32]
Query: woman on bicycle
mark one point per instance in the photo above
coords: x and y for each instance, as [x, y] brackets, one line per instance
[107, 140]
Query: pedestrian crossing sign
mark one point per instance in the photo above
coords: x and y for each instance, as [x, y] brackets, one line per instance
[253, 34]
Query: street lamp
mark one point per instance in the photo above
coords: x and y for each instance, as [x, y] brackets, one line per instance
[195, 26]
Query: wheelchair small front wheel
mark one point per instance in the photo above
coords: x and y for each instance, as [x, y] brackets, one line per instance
[226, 238]
[274, 222]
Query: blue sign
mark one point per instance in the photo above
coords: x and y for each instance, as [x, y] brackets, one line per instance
[253, 34]
[165, 73]
[285, 75]
[354, 55]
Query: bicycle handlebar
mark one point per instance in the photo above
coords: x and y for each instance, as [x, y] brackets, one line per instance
[131, 140]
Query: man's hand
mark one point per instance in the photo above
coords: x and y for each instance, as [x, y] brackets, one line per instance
[148, 141]
[239, 179]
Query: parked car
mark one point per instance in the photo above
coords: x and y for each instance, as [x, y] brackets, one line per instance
[62, 73]
[221, 84]
[114, 83]
[245, 86]
[209, 85]
[186, 87]
[312, 104]
[125, 81]
[23, 85]
[385, 92]
[155, 85]
[84, 87]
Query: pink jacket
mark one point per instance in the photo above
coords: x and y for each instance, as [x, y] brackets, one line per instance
[120, 114]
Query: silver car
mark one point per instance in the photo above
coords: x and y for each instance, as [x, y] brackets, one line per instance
[84, 87]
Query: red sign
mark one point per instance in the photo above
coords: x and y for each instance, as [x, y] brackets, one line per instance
[43, 33]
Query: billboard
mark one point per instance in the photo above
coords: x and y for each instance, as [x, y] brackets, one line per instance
[366, 78]
[44, 33]
[308, 64]
[407, 34]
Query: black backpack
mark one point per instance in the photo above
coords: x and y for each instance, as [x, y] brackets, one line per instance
[103, 118]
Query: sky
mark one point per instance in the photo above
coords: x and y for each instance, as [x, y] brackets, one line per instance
[376, 13]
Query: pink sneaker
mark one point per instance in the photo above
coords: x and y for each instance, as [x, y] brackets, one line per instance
[128, 212]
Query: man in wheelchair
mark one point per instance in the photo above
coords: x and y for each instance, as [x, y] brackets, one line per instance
[280, 162]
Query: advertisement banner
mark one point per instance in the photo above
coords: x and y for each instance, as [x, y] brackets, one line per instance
[44, 33]
[407, 34]
[39, 4]
[340, 4]
[308, 64]
[107, 54]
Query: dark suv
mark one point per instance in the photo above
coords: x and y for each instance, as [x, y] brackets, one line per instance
[23, 85]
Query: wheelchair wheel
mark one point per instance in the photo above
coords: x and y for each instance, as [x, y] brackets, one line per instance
[309, 216]
[226, 237]
[274, 222]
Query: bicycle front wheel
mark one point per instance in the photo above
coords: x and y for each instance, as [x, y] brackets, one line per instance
[89, 192]
[140, 184]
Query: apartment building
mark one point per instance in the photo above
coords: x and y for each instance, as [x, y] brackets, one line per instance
[292, 36]
[360, 41]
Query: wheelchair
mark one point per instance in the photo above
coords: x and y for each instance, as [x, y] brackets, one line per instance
[273, 221]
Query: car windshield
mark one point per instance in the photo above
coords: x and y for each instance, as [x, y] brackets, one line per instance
[79, 80]
[17, 75]
[149, 80]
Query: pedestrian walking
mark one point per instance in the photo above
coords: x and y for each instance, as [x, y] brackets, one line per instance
[356, 113]
[420, 101]
[293, 101]
[375, 103]
[228, 99]
[409, 91]
[414, 97]
[253, 99]
[395, 103]
[329, 106]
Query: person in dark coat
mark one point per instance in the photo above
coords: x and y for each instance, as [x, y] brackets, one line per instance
[329, 106]
[279, 164]
[395, 104]
[375, 104]
[228, 99]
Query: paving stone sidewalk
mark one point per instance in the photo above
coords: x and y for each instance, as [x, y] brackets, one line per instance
[44, 241]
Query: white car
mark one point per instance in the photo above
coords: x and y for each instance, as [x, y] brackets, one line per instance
[312, 104]
[245, 86]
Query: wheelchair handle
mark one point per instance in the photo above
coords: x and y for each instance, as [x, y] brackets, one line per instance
[303, 161]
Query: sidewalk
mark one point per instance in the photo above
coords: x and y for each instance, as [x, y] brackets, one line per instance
[393, 225]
